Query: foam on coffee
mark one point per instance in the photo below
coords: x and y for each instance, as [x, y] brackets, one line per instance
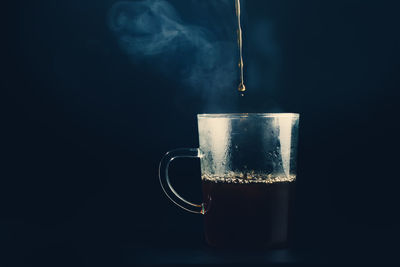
[248, 178]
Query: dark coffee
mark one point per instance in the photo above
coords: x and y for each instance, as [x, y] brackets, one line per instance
[246, 214]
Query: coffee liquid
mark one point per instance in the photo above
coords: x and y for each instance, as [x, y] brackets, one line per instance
[241, 87]
[248, 213]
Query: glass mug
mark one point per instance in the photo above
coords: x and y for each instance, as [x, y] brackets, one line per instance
[248, 170]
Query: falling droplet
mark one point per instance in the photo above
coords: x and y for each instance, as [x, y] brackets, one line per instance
[242, 87]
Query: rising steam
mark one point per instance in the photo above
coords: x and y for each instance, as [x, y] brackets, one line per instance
[153, 29]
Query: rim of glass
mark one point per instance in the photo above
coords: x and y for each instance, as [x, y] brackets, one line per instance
[248, 115]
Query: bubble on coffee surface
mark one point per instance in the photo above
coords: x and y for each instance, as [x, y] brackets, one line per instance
[248, 178]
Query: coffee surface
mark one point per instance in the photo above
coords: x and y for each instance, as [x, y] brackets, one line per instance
[248, 178]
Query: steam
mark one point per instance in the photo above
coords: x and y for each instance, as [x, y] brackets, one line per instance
[153, 29]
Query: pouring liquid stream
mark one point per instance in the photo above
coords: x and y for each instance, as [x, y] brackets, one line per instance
[242, 87]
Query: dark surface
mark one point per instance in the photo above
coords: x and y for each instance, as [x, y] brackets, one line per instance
[203, 255]
[84, 126]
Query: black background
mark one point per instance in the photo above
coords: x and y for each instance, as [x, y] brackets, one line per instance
[84, 127]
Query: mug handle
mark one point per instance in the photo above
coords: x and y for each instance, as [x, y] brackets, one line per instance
[166, 185]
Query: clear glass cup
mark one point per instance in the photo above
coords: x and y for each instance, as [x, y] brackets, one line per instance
[248, 170]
